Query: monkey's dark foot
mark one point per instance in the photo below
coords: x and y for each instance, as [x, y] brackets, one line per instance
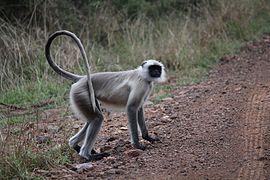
[93, 151]
[97, 156]
[151, 139]
[138, 146]
[77, 148]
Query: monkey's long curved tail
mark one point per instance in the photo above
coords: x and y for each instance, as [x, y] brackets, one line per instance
[66, 74]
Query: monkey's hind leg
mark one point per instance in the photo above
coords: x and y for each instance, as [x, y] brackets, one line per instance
[74, 140]
[90, 138]
[77, 138]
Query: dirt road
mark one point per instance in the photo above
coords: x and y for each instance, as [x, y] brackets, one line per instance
[217, 129]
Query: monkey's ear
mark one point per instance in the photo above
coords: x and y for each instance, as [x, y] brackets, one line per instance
[143, 63]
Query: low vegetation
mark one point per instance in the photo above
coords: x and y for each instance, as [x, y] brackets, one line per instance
[188, 36]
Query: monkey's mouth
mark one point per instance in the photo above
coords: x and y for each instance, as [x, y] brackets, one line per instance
[155, 74]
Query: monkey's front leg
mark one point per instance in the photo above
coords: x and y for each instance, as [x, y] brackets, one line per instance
[133, 126]
[143, 127]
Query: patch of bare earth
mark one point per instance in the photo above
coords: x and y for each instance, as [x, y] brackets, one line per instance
[217, 129]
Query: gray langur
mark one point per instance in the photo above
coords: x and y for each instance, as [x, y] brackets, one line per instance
[123, 89]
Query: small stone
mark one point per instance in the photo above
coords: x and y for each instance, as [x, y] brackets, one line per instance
[84, 167]
[168, 99]
[238, 89]
[76, 126]
[52, 128]
[165, 117]
[110, 159]
[42, 139]
[148, 103]
[262, 158]
[184, 171]
[123, 128]
[174, 116]
[57, 147]
[115, 171]
[133, 152]
[105, 148]
[111, 171]
[111, 139]
[119, 171]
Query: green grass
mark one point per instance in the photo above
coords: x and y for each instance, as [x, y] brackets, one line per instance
[20, 164]
[60, 155]
[35, 92]
[17, 120]
[160, 92]
[44, 93]
[260, 24]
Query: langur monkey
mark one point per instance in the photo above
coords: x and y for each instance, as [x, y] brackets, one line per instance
[123, 89]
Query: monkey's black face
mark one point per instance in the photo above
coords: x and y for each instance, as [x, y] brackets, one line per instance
[152, 71]
[155, 71]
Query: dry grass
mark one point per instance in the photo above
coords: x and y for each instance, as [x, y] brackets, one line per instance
[188, 45]
[179, 41]
[33, 145]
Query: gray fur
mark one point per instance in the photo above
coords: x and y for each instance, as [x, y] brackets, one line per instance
[125, 89]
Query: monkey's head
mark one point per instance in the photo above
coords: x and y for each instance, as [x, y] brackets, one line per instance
[153, 70]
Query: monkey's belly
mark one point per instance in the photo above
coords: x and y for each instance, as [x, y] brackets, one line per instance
[112, 107]
[113, 100]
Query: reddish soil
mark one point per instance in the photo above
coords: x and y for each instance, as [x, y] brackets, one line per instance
[216, 129]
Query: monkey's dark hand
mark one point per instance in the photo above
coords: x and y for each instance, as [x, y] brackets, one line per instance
[151, 139]
[138, 146]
